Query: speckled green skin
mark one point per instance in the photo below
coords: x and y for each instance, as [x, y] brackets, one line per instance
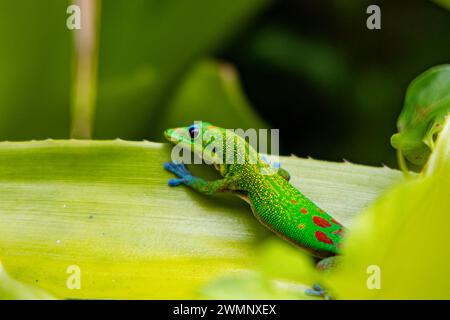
[275, 202]
[290, 214]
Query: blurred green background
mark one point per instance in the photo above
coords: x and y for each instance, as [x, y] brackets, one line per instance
[310, 68]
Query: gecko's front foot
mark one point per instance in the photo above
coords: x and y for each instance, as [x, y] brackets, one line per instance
[180, 170]
[276, 165]
[318, 291]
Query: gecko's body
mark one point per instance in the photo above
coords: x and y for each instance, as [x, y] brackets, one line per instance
[275, 202]
[286, 211]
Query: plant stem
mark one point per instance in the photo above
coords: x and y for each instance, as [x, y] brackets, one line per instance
[85, 60]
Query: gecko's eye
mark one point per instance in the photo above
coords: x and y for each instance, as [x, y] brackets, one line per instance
[193, 131]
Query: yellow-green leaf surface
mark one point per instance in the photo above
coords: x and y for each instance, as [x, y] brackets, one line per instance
[282, 272]
[12, 289]
[105, 207]
[404, 235]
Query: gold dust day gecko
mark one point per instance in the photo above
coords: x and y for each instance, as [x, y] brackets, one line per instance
[274, 201]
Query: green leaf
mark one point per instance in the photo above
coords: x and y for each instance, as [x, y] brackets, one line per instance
[280, 260]
[210, 92]
[146, 48]
[281, 273]
[105, 207]
[11, 289]
[444, 3]
[404, 234]
[35, 64]
[427, 103]
[251, 285]
[274, 46]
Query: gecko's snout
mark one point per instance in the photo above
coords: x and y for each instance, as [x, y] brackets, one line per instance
[174, 135]
[168, 134]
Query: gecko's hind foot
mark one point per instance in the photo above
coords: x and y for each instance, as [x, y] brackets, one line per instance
[318, 291]
[180, 170]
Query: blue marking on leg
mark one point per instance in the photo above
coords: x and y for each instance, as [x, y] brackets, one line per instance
[180, 170]
[318, 291]
[175, 182]
[317, 287]
[312, 292]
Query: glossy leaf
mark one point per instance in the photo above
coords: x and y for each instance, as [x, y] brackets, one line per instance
[146, 50]
[402, 235]
[210, 92]
[11, 289]
[427, 103]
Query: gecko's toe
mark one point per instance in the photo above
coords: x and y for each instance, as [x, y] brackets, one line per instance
[175, 182]
[318, 291]
[168, 166]
[178, 169]
[182, 169]
[312, 292]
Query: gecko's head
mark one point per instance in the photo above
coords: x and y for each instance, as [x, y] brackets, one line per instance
[200, 137]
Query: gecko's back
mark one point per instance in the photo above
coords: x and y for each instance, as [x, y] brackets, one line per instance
[290, 214]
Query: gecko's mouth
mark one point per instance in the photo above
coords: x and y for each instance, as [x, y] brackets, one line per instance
[176, 136]
[169, 135]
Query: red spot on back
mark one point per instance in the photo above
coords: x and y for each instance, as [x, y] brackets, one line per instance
[304, 211]
[321, 222]
[319, 210]
[322, 237]
[339, 232]
[294, 201]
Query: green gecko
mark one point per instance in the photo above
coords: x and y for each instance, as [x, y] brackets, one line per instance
[274, 201]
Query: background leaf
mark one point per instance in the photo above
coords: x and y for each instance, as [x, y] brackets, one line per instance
[402, 234]
[444, 3]
[282, 272]
[249, 285]
[427, 103]
[11, 289]
[34, 80]
[146, 47]
[210, 92]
